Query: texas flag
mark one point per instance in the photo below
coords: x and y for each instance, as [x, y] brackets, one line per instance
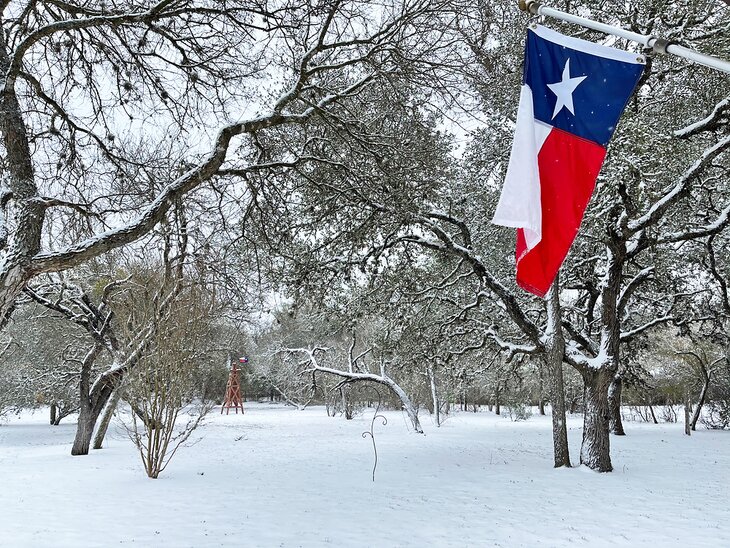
[572, 96]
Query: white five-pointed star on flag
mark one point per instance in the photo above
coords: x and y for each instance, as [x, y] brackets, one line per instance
[564, 89]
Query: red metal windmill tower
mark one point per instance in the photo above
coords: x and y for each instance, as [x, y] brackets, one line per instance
[233, 398]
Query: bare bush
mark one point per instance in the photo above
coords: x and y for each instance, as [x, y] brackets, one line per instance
[163, 388]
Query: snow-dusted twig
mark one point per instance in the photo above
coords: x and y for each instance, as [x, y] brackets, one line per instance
[681, 189]
[710, 122]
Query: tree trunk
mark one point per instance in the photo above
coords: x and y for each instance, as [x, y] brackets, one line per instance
[19, 178]
[434, 396]
[87, 412]
[614, 402]
[687, 420]
[91, 401]
[497, 407]
[330, 408]
[556, 350]
[653, 416]
[84, 429]
[595, 451]
[53, 415]
[541, 396]
[701, 402]
[13, 278]
[347, 407]
[598, 373]
[407, 404]
[106, 418]
[561, 453]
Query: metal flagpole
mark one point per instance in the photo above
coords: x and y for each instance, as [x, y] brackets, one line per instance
[659, 45]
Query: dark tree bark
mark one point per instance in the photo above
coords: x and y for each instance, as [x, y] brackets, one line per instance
[614, 401]
[84, 430]
[91, 403]
[653, 416]
[91, 408]
[53, 415]
[595, 449]
[561, 452]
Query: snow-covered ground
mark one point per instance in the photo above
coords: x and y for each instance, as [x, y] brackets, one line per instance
[280, 477]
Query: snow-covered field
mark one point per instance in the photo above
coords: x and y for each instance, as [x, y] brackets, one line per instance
[280, 477]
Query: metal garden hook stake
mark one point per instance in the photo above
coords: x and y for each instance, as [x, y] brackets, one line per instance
[371, 432]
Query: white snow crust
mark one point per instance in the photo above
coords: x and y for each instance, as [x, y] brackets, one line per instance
[277, 476]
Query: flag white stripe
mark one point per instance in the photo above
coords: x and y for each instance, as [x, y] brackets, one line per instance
[520, 204]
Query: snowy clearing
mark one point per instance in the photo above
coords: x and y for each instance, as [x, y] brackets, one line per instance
[281, 477]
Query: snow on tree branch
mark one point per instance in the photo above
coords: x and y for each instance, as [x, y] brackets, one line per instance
[681, 189]
[353, 376]
[714, 120]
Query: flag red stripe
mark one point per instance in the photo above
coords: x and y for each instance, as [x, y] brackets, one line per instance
[568, 167]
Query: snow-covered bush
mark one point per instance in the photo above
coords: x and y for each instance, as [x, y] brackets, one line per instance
[519, 411]
[517, 401]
